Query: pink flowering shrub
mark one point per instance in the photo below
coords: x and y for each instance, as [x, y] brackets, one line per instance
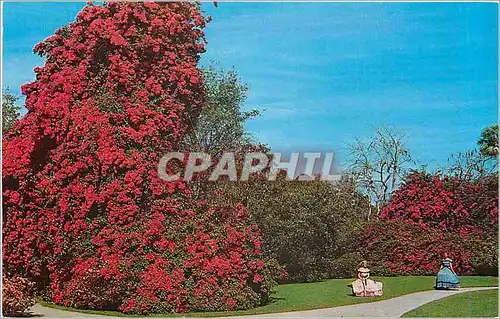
[396, 248]
[17, 296]
[430, 215]
[84, 210]
[445, 203]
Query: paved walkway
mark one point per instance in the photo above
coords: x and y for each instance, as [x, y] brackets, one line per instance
[391, 308]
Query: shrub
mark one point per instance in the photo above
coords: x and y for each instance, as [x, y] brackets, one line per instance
[445, 203]
[304, 225]
[395, 248]
[484, 258]
[345, 266]
[407, 249]
[432, 214]
[17, 296]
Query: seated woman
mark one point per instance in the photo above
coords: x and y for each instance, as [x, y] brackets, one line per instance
[446, 277]
[363, 286]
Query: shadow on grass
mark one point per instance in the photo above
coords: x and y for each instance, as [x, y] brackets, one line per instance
[352, 294]
[28, 315]
[274, 299]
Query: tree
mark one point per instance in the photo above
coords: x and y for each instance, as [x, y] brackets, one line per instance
[488, 141]
[220, 126]
[476, 164]
[304, 224]
[471, 165]
[10, 110]
[85, 214]
[378, 164]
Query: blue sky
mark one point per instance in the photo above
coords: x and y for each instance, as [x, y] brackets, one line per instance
[328, 72]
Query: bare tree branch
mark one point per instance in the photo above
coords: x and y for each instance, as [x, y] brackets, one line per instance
[379, 163]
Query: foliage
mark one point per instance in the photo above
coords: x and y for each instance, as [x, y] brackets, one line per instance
[396, 248]
[84, 210]
[304, 224]
[208, 264]
[17, 296]
[220, 126]
[445, 203]
[345, 266]
[484, 259]
[378, 164]
[432, 214]
[489, 141]
[10, 110]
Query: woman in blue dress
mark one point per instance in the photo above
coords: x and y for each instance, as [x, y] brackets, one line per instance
[446, 277]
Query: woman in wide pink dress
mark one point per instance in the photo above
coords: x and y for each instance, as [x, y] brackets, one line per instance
[364, 286]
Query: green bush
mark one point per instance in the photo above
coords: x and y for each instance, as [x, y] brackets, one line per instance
[484, 259]
[304, 225]
[345, 266]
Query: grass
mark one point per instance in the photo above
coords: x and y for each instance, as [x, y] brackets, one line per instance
[329, 293]
[469, 304]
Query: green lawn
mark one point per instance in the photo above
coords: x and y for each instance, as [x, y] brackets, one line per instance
[469, 304]
[330, 293]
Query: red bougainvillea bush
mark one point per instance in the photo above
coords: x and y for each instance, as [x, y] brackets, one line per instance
[397, 248]
[84, 210]
[433, 214]
[445, 203]
[17, 296]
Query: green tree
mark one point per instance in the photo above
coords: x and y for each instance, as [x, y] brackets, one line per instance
[305, 225]
[476, 163]
[10, 110]
[221, 124]
[488, 142]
